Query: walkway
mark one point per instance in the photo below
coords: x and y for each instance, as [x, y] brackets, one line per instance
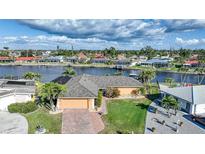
[81, 121]
[155, 119]
[13, 123]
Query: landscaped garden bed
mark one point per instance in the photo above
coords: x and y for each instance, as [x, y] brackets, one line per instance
[125, 116]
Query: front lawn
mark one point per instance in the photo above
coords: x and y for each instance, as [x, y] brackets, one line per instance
[51, 122]
[125, 116]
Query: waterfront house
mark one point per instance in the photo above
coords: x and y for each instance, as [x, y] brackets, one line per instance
[83, 90]
[99, 60]
[4, 59]
[27, 59]
[72, 59]
[82, 57]
[156, 62]
[99, 55]
[191, 63]
[121, 57]
[15, 91]
[191, 98]
[54, 59]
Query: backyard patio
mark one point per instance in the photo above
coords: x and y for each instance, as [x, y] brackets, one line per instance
[161, 123]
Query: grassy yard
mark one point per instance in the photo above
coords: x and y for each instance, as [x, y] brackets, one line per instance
[52, 122]
[125, 116]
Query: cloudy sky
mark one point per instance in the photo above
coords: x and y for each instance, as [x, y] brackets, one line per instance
[101, 34]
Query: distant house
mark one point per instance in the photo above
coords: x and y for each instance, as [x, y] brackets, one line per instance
[83, 90]
[82, 57]
[46, 53]
[72, 59]
[99, 60]
[191, 98]
[99, 55]
[15, 91]
[54, 59]
[27, 59]
[191, 63]
[155, 62]
[5, 59]
[121, 57]
[123, 62]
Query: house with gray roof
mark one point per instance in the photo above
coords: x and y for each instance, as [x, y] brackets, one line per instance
[83, 90]
[15, 91]
[191, 98]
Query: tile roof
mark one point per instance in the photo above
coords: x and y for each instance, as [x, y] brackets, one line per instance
[88, 86]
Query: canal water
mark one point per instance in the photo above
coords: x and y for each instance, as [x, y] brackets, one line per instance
[51, 72]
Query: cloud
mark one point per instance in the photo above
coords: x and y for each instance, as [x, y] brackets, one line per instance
[183, 25]
[190, 42]
[109, 30]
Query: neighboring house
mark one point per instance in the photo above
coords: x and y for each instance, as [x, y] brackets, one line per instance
[99, 55]
[123, 62]
[27, 59]
[191, 98]
[15, 91]
[5, 59]
[121, 57]
[72, 59]
[46, 53]
[83, 90]
[155, 62]
[191, 63]
[82, 57]
[99, 60]
[54, 59]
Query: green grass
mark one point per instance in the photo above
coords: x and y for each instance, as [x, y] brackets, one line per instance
[125, 116]
[51, 122]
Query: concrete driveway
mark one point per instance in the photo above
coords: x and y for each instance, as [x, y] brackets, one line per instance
[81, 121]
[13, 123]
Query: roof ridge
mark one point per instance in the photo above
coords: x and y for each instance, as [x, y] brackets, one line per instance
[85, 86]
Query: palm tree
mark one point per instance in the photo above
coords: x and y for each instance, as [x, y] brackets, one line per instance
[170, 81]
[69, 72]
[32, 76]
[169, 102]
[49, 93]
[146, 76]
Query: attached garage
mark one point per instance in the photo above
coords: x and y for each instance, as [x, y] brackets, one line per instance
[75, 103]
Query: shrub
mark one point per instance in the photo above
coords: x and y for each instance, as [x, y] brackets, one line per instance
[22, 107]
[135, 92]
[142, 91]
[112, 92]
[99, 99]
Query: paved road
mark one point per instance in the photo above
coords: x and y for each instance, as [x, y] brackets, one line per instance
[81, 121]
[13, 123]
[188, 127]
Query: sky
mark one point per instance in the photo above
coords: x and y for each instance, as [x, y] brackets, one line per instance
[123, 34]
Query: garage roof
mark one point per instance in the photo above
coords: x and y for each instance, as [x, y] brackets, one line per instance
[88, 86]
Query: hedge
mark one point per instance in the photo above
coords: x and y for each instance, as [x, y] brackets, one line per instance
[99, 99]
[22, 107]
